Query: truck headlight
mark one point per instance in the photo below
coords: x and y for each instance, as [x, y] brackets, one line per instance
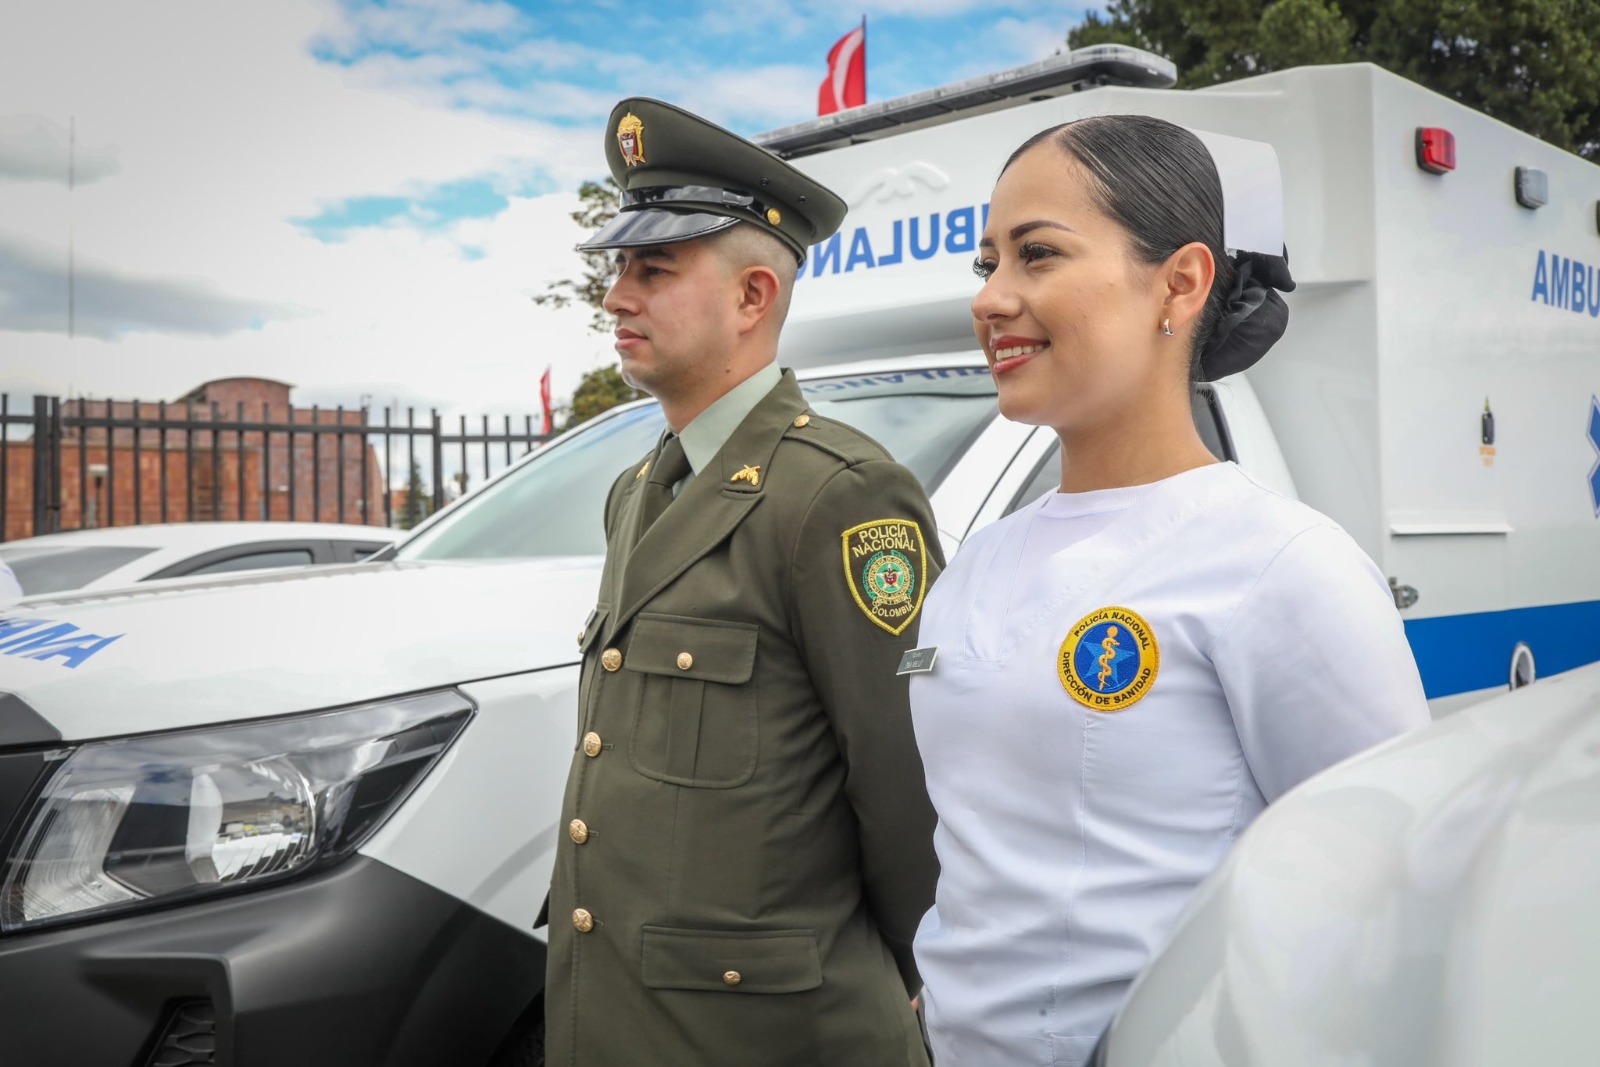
[146, 820]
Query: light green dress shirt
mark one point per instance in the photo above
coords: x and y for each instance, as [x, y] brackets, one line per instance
[705, 435]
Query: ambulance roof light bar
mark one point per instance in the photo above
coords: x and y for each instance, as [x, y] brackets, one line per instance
[1064, 72]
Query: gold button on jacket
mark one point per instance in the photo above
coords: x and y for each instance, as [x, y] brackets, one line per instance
[766, 825]
[578, 830]
[582, 921]
[591, 744]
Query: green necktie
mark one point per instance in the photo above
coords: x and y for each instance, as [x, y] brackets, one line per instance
[669, 467]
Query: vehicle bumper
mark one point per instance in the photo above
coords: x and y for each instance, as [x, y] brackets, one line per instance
[362, 965]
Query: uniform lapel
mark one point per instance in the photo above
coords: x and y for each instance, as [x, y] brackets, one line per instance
[620, 544]
[708, 509]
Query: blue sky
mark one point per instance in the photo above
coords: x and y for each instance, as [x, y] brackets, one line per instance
[749, 65]
[360, 198]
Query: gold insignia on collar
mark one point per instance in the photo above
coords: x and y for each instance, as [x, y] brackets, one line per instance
[774, 216]
[630, 139]
[642, 471]
[748, 474]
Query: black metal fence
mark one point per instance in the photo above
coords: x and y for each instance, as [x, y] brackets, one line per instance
[73, 464]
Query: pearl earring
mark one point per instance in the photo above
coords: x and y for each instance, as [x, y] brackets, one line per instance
[1166, 327]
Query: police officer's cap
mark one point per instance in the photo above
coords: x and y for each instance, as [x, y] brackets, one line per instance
[683, 177]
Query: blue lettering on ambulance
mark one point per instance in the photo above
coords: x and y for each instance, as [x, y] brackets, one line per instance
[43, 639]
[860, 251]
[953, 232]
[1560, 277]
[822, 255]
[918, 250]
[1566, 283]
[889, 259]
[961, 231]
[43, 634]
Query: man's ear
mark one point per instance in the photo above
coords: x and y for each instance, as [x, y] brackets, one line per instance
[758, 295]
[1187, 278]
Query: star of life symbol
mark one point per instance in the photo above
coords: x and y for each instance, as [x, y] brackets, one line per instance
[1594, 442]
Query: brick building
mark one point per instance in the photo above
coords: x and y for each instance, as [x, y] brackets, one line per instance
[120, 461]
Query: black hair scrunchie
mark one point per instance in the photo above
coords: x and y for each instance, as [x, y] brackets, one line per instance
[1253, 316]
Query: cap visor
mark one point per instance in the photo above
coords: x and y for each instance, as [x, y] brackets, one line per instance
[631, 229]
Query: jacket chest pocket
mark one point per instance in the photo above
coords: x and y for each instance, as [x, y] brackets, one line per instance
[695, 722]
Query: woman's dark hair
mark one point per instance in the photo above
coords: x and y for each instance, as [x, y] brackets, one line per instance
[1158, 182]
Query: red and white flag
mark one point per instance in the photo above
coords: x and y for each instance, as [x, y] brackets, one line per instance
[846, 83]
[544, 400]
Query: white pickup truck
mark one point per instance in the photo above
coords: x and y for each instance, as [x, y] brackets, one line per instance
[310, 817]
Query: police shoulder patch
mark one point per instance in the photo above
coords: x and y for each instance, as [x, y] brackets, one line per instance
[1109, 660]
[886, 567]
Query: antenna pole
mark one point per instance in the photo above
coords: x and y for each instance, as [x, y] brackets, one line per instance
[72, 177]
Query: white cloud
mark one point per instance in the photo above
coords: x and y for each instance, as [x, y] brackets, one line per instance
[225, 128]
[38, 148]
[1035, 38]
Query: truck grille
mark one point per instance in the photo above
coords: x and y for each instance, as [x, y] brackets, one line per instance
[189, 1037]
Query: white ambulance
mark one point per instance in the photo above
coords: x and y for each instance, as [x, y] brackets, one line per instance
[309, 818]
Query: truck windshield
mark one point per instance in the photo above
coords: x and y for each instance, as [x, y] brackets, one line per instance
[62, 567]
[553, 504]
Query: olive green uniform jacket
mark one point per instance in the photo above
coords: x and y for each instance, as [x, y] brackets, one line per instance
[746, 844]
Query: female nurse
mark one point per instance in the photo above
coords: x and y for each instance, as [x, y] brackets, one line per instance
[1130, 669]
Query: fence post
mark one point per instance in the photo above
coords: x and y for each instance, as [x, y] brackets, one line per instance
[438, 461]
[43, 469]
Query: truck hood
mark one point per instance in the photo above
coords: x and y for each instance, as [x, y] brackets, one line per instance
[1436, 900]
[193, 653]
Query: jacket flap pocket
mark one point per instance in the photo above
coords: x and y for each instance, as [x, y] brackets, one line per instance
[765, 961]
[703, 649]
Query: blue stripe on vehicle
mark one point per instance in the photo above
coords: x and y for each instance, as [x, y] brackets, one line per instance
[1463, 653]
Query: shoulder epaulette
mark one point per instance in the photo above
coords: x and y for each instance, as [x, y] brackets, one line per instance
[844, 442]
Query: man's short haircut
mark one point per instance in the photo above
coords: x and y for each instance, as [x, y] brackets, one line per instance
[744, 246]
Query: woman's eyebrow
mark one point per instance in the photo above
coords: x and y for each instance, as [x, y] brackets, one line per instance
[1037, 224]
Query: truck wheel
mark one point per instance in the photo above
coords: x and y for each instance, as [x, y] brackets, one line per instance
[524, 1045]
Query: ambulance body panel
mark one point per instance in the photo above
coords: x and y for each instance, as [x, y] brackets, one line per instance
[1434, 392]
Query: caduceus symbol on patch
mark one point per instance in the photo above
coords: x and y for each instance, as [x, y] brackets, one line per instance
[1108, 658]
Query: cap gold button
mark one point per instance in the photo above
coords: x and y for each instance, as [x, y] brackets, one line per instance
[611, 659]
[685, 661]
[582, 921]
[802, 422]
[578, 830]
[732, 977]
[591, 744]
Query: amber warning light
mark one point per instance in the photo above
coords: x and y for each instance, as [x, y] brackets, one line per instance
[1436, 149]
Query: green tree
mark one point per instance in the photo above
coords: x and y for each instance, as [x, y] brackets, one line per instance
[1534, 64]
[418, 500]
[604, 388]
[598, 203]
[598, 391]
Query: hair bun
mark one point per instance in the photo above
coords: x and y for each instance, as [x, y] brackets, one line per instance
[1253, 316]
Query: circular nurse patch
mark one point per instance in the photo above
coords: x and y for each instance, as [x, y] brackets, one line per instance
[1109, 659]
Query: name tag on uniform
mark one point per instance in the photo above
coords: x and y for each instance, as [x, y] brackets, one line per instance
[918, 661]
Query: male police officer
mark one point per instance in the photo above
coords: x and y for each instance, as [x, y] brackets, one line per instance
[747, 839]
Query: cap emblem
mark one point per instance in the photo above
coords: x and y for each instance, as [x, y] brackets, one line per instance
[630, 139]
